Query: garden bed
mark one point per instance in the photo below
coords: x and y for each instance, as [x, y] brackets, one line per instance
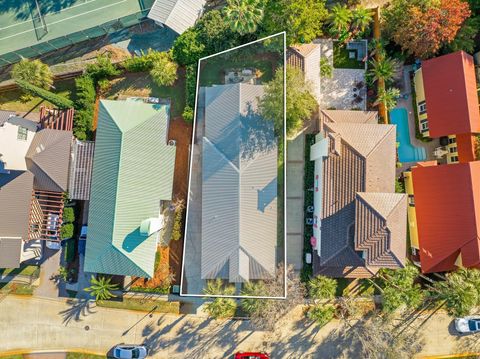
[144, 305]
[162, 278]
[341, 59]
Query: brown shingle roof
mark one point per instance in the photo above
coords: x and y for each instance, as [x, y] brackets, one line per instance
[361, 159]
[48, 159]
[15, 196]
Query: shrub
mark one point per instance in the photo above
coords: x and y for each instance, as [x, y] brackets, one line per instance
[188, 114]
[142, 63]
[56, 100]
[104, 85]
[102, 68]
[66, 231]
[68, 215]
[191, 85]
[34, 72]
[164, 70]
[177, 224]
[187, 48]
[321, 314]
[85, 107]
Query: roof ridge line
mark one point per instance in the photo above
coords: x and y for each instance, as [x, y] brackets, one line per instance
[382, 139]
[222, 154]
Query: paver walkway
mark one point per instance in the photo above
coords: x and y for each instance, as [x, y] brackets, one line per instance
[46, 324]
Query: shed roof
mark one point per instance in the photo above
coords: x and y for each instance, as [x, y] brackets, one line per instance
[451, 94]
[239, 186]
[447, 204]
[132, 172]
[178, 15]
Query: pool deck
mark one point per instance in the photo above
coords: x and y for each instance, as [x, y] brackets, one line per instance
[407, 104]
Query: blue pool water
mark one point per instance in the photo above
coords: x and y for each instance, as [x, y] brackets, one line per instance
[406, 151]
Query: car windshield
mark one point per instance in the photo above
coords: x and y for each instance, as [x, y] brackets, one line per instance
[473, 324]
[135, 353]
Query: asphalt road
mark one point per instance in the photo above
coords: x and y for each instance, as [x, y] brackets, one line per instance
[34, 323]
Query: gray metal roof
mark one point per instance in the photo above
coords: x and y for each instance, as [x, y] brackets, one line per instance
[48, 159]
[178, 15]
[15, 198]
[24, 122]
[81, 170]
[239, 186]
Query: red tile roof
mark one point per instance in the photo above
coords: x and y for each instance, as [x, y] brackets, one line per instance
[447, 204]
[466, 144]
[451, 94]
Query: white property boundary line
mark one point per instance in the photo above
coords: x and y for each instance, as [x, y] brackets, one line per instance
[284, 171]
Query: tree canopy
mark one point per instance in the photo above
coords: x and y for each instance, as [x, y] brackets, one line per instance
[302, 19]
[34, 72]
[300, 102]
[422, 27]
[243, 16]
[164, 70]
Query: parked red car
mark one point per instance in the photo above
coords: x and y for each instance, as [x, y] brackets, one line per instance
[252, 355]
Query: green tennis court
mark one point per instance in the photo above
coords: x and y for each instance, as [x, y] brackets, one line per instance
[32, 27]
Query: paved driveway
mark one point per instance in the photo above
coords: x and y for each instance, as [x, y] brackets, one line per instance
[46, 324]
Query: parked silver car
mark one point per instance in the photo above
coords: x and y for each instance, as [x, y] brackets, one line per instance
[467, 325]
[125, 351]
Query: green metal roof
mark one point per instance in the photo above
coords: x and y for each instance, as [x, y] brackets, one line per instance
[132, 171]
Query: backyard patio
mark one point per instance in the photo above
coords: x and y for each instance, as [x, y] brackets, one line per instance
[345, 89]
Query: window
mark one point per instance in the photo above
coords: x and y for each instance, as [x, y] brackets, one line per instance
[424, 125]
[454, 159]
[411, 200]
[422, 107]
[22, 133]
[453, 149]
[452, 140]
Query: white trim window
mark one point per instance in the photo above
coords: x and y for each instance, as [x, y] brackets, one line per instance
[424, 125]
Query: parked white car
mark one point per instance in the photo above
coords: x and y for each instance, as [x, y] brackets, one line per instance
[467, 325]
[130, 352]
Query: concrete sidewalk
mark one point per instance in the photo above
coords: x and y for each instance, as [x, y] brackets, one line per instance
[34, 323]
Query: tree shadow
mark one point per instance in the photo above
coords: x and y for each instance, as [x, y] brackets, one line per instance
[78, 309]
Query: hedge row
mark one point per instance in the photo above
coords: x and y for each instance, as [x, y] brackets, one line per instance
[57, 100]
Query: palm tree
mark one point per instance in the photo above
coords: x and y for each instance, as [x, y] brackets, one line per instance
[388, 98]
[244, 15]
[383, 69]
[101, 288]
[34, 72]
[361, 18]
[220, 307]
[340, 18]
[253, 289]
[322, 287]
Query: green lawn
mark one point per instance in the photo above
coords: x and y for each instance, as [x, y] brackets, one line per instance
[12, 100]
[341, 59]
[23, 270]
[14, 356]
[140, 84]
[16, 288]
[84, 356]
[142, 305]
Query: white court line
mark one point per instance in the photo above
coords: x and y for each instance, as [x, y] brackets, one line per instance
[49, 14]
[66, 19]
[285, 292]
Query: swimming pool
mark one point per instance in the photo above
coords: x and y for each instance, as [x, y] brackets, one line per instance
[406, 151]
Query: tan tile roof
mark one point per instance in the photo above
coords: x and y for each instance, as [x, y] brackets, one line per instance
[304, 49]
[349, 116]
[361, 159]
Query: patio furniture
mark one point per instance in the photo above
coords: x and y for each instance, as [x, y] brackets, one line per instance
[309, 221]
[310, 209]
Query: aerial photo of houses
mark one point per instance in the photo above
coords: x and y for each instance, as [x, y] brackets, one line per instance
[240, 179]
